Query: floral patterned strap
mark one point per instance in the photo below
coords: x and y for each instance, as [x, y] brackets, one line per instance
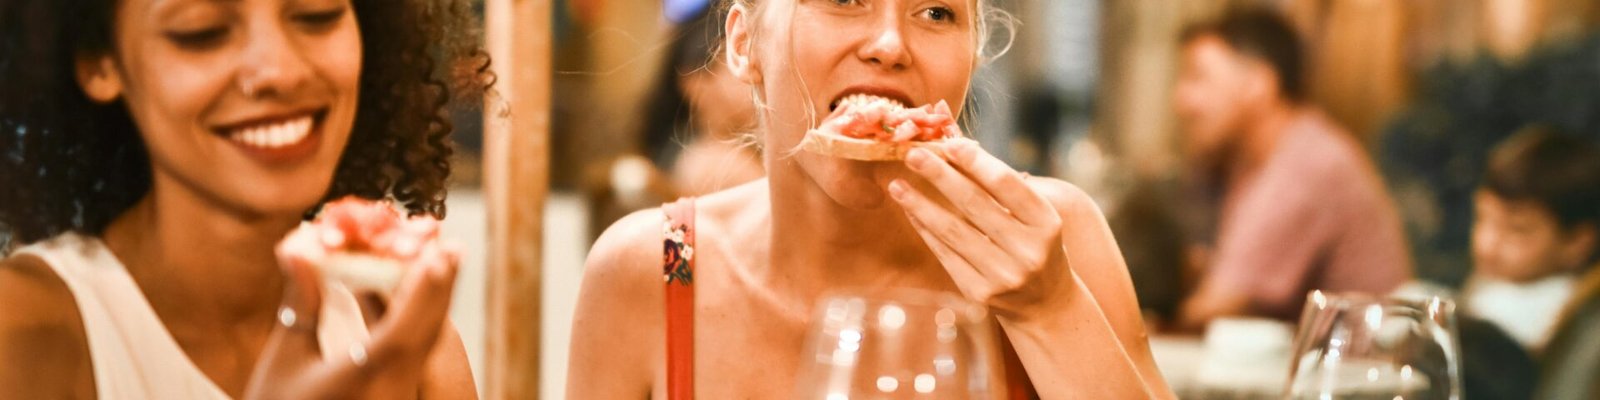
[677, 270]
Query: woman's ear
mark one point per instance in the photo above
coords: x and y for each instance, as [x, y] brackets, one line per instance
[97, 76]
[736, 46]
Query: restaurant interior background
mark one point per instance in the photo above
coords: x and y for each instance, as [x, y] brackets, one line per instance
[1084, 95]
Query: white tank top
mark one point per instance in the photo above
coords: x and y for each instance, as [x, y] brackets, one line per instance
[134, 356]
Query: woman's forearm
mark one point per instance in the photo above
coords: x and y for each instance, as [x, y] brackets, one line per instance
[1074, 353]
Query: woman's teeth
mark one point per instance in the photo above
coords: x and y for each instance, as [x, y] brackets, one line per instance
[273, 135]
[867, 100]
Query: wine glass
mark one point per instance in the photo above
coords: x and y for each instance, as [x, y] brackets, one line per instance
[899, 344]
[1355, 346]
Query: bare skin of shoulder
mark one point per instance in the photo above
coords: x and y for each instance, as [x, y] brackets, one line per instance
[40, 329]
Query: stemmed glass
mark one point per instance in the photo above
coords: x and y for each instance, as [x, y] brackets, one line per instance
[900, 344]
[1353, 346]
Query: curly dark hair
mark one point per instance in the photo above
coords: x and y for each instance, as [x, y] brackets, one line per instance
[70, 164]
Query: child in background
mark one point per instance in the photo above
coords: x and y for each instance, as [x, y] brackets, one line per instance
[1538, 224]
[1534, 232]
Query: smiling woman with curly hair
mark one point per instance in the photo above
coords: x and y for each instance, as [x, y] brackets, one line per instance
[153, 153]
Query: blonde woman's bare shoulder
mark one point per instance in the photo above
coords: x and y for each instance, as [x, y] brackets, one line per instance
[618, 327]
[1067, 198]
[1094, 252]
[626, 258]
[624, 265]
[40, 328]
[628, 255]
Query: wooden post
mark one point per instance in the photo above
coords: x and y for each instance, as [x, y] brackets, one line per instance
[516, 181]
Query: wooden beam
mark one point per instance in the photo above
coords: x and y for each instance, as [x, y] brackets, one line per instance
[516, 181]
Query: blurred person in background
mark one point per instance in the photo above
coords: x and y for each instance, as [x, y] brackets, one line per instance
[700, 116]
[1534, 231]
[1146, 223]
[696, 127]
[1535, 243]
[1301, 205]
[1503, 65]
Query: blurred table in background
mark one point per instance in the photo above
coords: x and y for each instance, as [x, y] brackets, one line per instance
[1237, 362]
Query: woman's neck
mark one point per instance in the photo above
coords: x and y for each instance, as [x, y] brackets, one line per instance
[818, 244]
[215, 264]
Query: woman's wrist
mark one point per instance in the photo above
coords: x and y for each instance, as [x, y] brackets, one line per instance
[1050, 311]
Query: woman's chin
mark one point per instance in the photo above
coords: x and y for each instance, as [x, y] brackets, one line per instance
[853, 185]
[860, 200]
[858, 192]
[859, 185]
[273, 204]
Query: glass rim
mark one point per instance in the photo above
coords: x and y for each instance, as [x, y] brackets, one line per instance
[905, 296]
[1322, 299]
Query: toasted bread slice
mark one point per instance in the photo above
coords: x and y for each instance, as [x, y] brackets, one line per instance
[835, 145]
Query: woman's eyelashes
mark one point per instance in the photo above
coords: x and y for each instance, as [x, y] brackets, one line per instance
[318, 21]
[940, 14]
[196, 39]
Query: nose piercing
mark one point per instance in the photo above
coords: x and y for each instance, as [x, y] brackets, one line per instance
[251, 86]
[247, 88]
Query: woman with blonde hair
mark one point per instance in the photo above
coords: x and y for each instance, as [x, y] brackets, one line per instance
[1036, 251]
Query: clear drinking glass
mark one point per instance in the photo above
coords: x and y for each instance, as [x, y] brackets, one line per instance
[899, 344]
[1352, 346]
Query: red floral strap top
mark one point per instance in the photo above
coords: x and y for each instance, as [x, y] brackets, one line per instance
[677, 270]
